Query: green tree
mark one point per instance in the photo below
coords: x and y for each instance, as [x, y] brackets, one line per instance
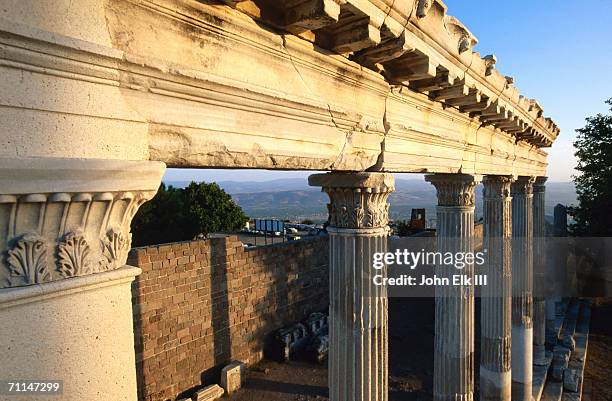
[593, 215]
[162, 219]
[176, 214]
[211, 209]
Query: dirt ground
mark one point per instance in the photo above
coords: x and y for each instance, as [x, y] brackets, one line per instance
[598, 370]
[411, 329]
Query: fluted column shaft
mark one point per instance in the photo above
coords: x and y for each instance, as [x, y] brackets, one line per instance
[358, 228]
[539, 262]
[496, 301]
[522, 289]
[454, 311]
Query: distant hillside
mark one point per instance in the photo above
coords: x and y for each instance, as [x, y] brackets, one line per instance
[236, 187]
[310, 202]
[292, 198]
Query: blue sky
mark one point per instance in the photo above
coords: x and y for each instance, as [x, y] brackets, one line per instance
[559, 52]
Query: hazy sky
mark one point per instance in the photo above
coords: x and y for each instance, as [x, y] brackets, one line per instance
[559, 52]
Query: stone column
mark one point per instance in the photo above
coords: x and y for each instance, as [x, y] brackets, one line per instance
[556, 268]
[65, 291]
[358, 227]
[522, 287]
[539, 277]
[496, 300]
[454, 327]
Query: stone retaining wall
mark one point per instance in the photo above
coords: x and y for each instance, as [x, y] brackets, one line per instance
[200, 304]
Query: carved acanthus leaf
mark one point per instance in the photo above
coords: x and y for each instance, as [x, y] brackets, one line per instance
[453, 190]
[497, 187]
[27, 261]
[523, 186]
[353, 208]
[115, 247]
[74, 255]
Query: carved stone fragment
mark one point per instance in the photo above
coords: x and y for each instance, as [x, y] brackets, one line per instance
[423, 7]
[27, 261]
[115, 247]
[453, 189]
[74, 255]
[232, 376]
[356, 204]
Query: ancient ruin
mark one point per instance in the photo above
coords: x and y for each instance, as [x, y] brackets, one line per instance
[98, 97]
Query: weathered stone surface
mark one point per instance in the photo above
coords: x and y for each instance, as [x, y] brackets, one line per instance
[539, 272]
[68, 217]
[574, 373]
[559, 363]
[496, 301]
[318, 348]
[454, 330]
[209, 393]
[553, 391]
[391, 37]
[92, 315]
[540, 375]
[64, 246]
[303, 263]
[522, 288]
[92, 81]
[572, 379]
[289, 342]
[200, 106]
[316, 323]
[358, 360]
[232, 376]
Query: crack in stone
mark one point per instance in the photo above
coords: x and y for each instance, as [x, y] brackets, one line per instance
[347, 134]
[379, 165]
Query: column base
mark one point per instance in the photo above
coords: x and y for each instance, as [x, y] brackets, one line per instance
[495, 386]
[539, 355]
[454, 397]
[77, 330]
[522, 363]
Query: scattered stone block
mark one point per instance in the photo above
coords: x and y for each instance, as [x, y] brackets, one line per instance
[231, 376]
[572, 379]
[560, 361]
[318, 348]
[316, 322]
[289, 342]
[307, 340]
[209, 393]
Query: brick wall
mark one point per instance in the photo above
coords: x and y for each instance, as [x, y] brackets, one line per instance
[200, 304]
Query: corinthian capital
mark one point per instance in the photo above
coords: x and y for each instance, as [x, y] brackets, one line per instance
[357, 200]
[497, 186]
[68, 217]
[454, 189]
[539, 184]
[523, 186]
